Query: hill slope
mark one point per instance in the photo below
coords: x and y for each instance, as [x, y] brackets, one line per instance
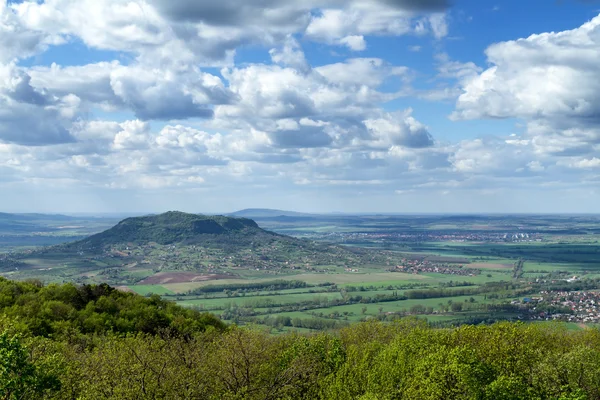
[168, 228]
[176, 247]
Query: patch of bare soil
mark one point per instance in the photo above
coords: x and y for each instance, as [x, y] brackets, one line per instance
[124, 289]
[161, 278]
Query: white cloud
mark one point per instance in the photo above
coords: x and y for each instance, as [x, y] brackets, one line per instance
[354, 42]
[32, 116]
[370, 72]
[115, 25]
[150, 93]
[184, 31]
[17, 41]
[535, 166]
[348, 26]
[153, 116]
[400, 129]
[290, 55]
[587, 163]
[134, 135]
[439, 25]
[551, 80]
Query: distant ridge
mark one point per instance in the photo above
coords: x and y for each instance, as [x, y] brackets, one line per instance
[34, 216]
[168, 228]
[267, 213]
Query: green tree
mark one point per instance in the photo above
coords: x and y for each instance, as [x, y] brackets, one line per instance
[20, 378]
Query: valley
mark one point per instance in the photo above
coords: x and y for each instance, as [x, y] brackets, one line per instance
[302, 271]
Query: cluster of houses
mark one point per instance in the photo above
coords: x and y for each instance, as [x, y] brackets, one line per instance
[420, 266]
[581, 306]
[458, 236]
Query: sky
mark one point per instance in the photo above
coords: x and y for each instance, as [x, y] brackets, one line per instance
[416, 106]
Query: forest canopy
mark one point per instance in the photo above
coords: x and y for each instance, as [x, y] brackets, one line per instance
[94, 342]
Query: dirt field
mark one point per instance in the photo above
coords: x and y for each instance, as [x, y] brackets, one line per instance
[490, 266]
[180, 277]
[124, 289]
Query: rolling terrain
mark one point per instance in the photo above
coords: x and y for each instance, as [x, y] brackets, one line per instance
[21, 231]
[337, 269]
[177, 247]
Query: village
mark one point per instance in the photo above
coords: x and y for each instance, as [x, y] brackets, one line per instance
[582, 307]
[419, 266]
[433, 236]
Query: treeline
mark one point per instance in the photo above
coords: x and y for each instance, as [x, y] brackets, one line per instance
[278, 284]
[318, 324]
[435, 293]
[564, 286]
[405, 359]
[363, 288]
[231, 311]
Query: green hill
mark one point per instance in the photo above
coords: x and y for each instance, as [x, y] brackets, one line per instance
[177, 247]
[169, 228]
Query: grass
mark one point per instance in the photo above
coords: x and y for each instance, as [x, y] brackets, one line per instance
[148, 289]
[355, 311]
[261, 301]
[352, 279]
[571, 253]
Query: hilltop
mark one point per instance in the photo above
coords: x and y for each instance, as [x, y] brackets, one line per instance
[267, 213]
[177, 247]
[169, 228]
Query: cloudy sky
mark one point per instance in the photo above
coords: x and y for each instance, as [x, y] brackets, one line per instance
[309, 105]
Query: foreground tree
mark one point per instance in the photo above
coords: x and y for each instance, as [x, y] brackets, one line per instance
[20, 378]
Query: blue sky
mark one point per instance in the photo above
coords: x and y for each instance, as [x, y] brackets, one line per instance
[314, 105]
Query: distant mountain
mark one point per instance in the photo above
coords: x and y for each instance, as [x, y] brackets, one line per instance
[169, 228]
[34, 217]
[183, 248]
[18, 224]
[267, 213]
[31, 223]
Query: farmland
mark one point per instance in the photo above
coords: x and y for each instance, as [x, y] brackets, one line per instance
[336, 270]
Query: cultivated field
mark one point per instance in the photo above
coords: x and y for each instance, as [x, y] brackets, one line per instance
[445, 269]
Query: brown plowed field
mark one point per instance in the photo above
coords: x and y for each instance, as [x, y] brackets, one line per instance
[180, 277]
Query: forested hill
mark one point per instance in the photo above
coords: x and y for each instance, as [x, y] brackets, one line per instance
[58, 310]
[142, 247]
[170, 227]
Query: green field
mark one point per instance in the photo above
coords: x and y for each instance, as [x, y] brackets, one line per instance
[145, 290]
[347, 265]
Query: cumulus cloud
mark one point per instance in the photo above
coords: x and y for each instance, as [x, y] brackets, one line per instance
[587, 163]
[154, 116]
[209, 33]
[354, 42]
[551, 80]
[29, 115]
[17, 40]
[148, 92]
[134, 135]
[400, 129]
[290, 54]
[348, 26]
[273, 92]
